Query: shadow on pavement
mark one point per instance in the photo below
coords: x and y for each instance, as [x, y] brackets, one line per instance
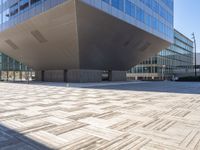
[143, 86]
[13, 140]
[156, 86]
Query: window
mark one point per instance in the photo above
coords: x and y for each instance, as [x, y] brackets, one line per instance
[155, 6]
[6, 15]
[148, 20]
[36, 1]
[130, 8]
[119, 4]
[154, 23]
[139, 14]
[106, 1]
[23, 4]
[14, 9]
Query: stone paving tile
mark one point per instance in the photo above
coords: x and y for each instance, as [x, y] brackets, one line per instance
[37, 117]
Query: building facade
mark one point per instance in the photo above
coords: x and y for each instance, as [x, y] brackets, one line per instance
[11, 69]
[197, 63]
[152, 16]
[197, 59]
[61, 37]
[169, 63]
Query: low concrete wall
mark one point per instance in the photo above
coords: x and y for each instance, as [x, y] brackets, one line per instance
[54, 75]
[117, 76]
[187, 74]
[84, 76]
[78, 76]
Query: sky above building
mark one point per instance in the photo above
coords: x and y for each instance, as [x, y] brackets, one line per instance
[187, 18]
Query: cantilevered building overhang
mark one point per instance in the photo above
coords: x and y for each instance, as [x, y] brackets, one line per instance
[78, 34]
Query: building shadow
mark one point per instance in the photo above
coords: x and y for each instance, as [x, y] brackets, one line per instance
[142, 86]
[13, 140]
[155, 86]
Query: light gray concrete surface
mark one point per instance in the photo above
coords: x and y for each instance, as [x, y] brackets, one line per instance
[99, 116]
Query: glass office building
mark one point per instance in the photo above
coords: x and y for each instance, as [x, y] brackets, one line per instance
[13, 12]
[11, 69]
[176, 59]
[154, 16]
[64, 35]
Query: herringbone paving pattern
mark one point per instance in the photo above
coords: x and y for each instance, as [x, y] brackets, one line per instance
[51, 117]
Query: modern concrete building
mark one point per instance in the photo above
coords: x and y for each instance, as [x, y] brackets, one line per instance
[75, 40]
[174, 61]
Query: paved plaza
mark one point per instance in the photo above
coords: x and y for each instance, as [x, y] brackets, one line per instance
[129, 116]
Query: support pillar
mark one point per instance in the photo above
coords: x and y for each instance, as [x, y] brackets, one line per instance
[28, 75]
[0, 75]
[13, 75]
[7, 75]
[39, 76]
[117, 75]
[65, 76]
[42, 75]
[20, 75]
[31, 75]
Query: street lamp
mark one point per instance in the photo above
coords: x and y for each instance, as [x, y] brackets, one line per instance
[195, 54]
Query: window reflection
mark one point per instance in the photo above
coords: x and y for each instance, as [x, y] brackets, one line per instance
[11, 11]
[132, 9]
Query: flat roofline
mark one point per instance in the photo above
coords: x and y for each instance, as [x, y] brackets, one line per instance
[175, 30]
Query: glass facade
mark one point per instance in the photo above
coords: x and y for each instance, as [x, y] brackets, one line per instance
[13, 12]
[176, 58]
[8, 66]
[154, 16]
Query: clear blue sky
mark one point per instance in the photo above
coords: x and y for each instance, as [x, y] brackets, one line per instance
[187, 18]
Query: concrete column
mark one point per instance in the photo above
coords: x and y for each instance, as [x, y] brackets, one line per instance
[7, 75]
[27, 76]
[117, 75]
[0, 75]
[20, 75]
[38, 75]
[65, 76]
[31, 75]
[13, 75]
[42, 75]
[82, 76]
